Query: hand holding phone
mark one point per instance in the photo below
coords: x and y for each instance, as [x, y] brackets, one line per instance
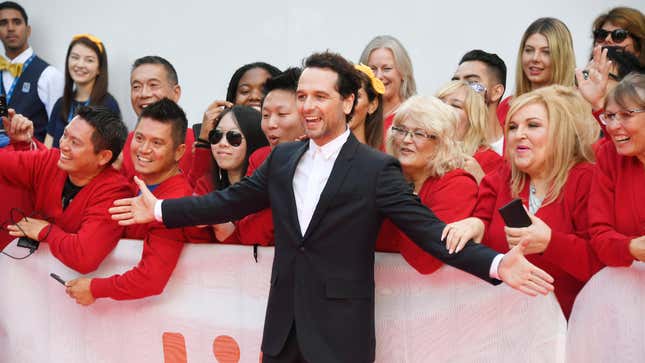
[515, 215]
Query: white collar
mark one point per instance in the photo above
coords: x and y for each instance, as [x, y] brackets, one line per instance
[22, 57]
[331, 148]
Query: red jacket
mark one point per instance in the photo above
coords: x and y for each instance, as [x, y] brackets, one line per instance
[451, 198]
[569, 257]
[616, 205]
[161, 250]
[83, 234]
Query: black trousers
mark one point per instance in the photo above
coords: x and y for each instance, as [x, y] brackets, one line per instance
[290, 352]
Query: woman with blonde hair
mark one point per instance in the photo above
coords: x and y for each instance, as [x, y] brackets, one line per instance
[472, 129]
[423, 140]
[391, 63]
[549, 137]
[545, 57]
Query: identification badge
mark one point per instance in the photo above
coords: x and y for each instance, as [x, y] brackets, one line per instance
[26, 87]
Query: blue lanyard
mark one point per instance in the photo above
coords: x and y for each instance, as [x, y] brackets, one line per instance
[15, 80]
[72, 109]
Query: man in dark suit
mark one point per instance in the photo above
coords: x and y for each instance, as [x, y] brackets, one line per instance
[329, 196]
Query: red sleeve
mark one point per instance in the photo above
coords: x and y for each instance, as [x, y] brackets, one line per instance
[564, 245]
[451, 198]
[84, 250]
[489, 160]
[161, 250]
[611, 246]
[19, 168]
[255, 228]
[502, 110]
[202, 162]
[487, 196]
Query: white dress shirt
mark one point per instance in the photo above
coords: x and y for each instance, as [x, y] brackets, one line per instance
[50, 83]
[311, 176]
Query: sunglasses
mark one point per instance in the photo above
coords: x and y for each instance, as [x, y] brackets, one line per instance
[234, 138]
[617, 35]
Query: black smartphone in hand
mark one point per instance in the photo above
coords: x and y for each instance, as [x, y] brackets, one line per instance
[57, 278]
[514, 214]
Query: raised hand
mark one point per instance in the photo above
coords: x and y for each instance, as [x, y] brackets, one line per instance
[212, 113]
[517, 272]
[592, 81]
[457, 234]
[18, 127]
[137, 210]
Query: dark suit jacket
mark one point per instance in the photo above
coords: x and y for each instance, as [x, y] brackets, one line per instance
[324, 281]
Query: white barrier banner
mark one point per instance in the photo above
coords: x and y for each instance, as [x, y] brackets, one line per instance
[213, 311]
[607, 323]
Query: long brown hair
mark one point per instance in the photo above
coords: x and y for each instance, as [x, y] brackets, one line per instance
[99, 91]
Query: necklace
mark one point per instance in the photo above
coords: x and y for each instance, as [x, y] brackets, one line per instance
[534, 202]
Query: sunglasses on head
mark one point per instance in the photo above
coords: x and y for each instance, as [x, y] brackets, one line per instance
[617, 35]
[234, 138]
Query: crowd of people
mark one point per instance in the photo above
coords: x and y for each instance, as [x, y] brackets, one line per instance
[570, 144]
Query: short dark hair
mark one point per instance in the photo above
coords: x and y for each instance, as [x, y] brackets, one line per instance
[348, 82]
[494, 63]
[109, 130]
[286, 81]
[166, 111]
[15, 6]
[239, 73]
[171, 73]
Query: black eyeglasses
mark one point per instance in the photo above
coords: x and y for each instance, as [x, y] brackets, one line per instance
[234, 138]
[617, 35]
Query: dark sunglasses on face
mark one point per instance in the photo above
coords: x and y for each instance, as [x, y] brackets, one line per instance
[234, 138]
[617, 35]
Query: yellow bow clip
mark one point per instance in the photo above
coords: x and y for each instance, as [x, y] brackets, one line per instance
[377, 84]
[14, 68]
[91, 38]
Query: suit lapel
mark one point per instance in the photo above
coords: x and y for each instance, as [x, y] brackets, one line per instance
[293, 164]
[336, 178]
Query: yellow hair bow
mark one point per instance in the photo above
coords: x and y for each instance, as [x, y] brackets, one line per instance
[377, 84]
[91, 38]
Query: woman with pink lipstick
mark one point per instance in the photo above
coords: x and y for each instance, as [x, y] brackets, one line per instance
[545, 57]
[616, 209]
[467, 100]
[390, 62]
[549, 133]
[86, 83]
[423, 140]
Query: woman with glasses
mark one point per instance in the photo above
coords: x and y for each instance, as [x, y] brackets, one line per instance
[545, 57]
[236, 135]
[616, 208]
[622, 27]
[390, 62]
[549, 133]
[422, 138]
[472, 131]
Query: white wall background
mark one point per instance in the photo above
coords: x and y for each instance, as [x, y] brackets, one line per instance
[207, 40]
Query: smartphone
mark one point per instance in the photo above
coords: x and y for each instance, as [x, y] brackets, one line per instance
[3, 106]
[57, 278]
[197, 128]
[514, 214]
